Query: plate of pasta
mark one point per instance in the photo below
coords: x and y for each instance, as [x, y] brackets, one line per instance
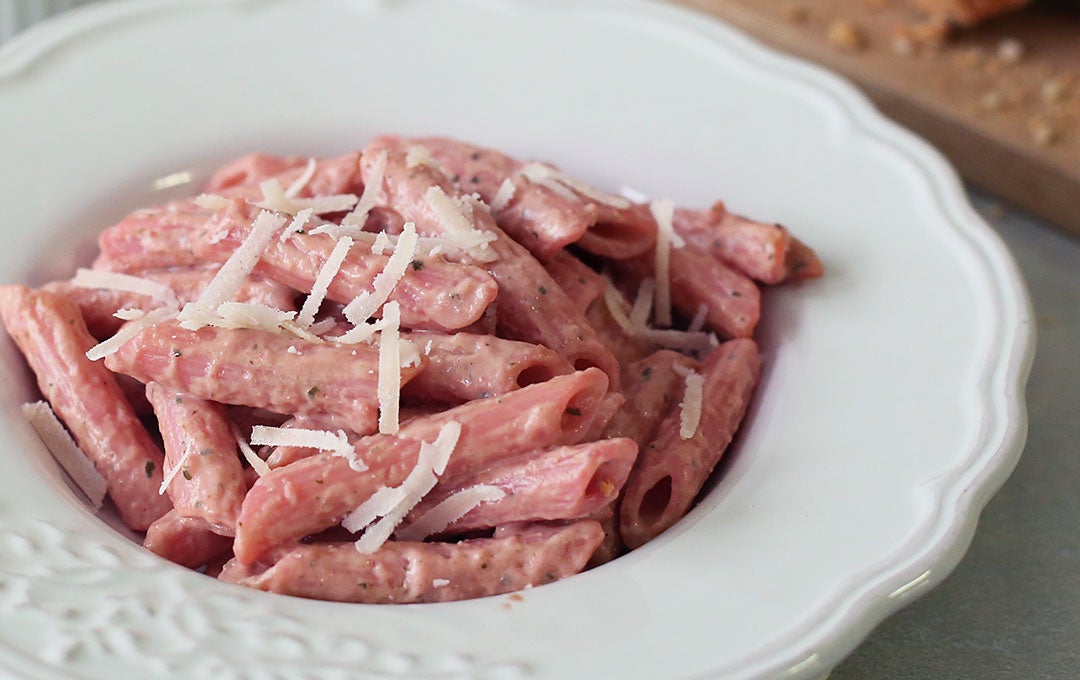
[463, 339]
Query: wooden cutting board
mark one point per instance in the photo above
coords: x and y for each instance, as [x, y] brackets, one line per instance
[1001, 100]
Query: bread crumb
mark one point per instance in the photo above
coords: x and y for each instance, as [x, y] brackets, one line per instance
[1053, 90]
[1042, 131]
[844, 34]
[992, 101]
[1010, 51]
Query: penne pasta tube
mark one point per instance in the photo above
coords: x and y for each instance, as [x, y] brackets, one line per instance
[605, 412]
[802, 261]
[433, 294]
[98, 306]
[565, 483]
[329, 176]
[651, 386]
[465, 366]
[317, 492]
[531, 306]
[732, 301]
[612, 546]
[52, 336]
[154, 238]
[252, 367]
[581, 284]
[764, 252]
[540, 212]
[408, 572]
[207, 479]
[186, 541]
[671, 470]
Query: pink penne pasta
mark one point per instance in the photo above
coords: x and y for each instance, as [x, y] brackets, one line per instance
[52, 336]
[763, 252]
[672, 470]
[256, 368]
[407, 572]
[531, 305]
[154, 238]
[241, 177]
[186, 541]
[565, 483]
[581, 284]
[732, 301]
[802, 261]
[605, 413]
[322, 489]
[99, 305]
[612, 546]
[464, 366]
[651, 387]
[433, 294]
[541, 218]
[200, 456]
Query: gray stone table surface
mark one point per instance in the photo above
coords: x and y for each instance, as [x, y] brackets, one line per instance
[1011, 609]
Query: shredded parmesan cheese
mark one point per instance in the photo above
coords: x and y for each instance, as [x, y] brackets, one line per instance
[66, 452]
[450, 510]
[368, 302]
[129, 313]
[389, 388]
[211, 201]
[127, 332]
[302, 181]
[299, 222]
[257, 464]
[322, 282]
[418, 155]
[440, 582]
[234, 272]
[690, 407]
[92, 278]
[504, 195]
[614, 301]
[458, 229]
[663, 211]
[550, 177]
[275, 198]
[336, 443]
[370, 196]
[171, 474]
[394, 504]
[639, 313]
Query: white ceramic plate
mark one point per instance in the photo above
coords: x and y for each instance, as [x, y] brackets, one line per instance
[892, 402]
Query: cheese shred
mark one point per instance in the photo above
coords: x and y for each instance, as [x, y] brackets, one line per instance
[66, 452]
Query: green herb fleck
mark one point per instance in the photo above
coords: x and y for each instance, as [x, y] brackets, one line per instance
[150, 467]
[543, 291]
[187, 474]
[312, 391]
[177, 353]
[574, 411]
[646, 374]
[417, 265]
